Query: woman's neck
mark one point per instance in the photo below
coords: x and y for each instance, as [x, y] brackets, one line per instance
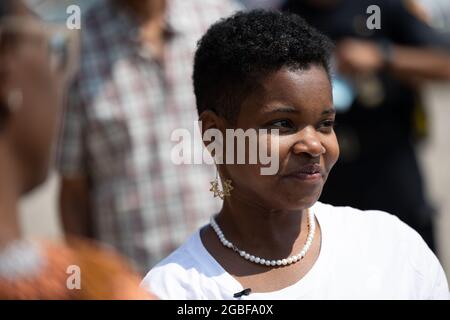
[256, 227]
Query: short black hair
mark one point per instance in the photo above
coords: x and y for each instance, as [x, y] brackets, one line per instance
[237, 52]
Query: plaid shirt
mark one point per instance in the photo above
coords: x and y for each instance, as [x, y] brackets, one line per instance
[122, 109]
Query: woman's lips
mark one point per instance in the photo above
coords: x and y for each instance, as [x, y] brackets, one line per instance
[306, 176]
[311, 173]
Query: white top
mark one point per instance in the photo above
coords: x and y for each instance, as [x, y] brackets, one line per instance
[364, 255]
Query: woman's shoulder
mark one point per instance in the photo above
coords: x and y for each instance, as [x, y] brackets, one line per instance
[382, 238]
[377, 229]
[355, 218]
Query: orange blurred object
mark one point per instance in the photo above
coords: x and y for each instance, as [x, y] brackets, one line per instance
[104, 275]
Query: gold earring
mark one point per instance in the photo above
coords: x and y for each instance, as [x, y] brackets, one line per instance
[226, 186]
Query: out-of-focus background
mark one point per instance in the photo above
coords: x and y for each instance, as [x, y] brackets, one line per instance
[39, 210]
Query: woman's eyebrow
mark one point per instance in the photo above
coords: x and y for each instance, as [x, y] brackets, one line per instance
[286, 109]
[328, 111]
[281, 110]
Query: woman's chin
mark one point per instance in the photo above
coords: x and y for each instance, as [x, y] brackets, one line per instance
[302, 201]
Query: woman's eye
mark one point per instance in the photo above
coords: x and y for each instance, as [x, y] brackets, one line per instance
[283, 124]
[328, 125]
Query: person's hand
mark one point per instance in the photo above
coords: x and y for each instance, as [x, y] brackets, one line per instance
[359, 57]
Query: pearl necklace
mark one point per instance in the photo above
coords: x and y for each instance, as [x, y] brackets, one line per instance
[268, 262]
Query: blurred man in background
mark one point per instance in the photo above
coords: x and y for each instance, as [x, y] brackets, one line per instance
[133, 90]
[378, 74]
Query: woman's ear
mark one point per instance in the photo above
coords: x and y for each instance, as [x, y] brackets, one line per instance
[11, 99]
[211, 120]
[213, 131]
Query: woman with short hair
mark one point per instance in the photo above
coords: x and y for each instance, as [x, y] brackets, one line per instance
[272, 239]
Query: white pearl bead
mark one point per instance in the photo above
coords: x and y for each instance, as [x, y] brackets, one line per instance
[268, 262]
[229, 245]
[262, 261]
[294, 259]
[242, 253]
[252, 258]
[278, 262]
[257, 259]
[247, 256]
[273, 263]
[289, 260]
[284, 262]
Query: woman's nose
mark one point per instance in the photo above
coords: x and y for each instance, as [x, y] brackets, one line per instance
[309, 142]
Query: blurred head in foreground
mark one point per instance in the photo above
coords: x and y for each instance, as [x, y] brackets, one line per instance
[36, 61]
[34, 66]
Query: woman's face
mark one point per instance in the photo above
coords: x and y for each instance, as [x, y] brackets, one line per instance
[299, 104]
[31, 128]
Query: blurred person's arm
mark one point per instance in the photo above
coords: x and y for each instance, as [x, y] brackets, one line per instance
[74, 197]
[413, 50]
[421, 64]
[358, 56]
